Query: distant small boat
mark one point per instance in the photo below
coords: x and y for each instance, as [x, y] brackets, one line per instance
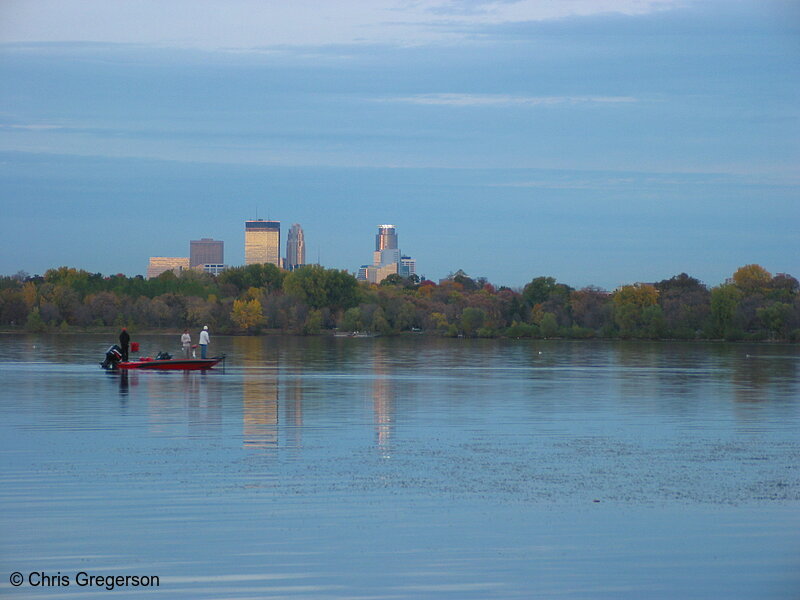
[354, 334]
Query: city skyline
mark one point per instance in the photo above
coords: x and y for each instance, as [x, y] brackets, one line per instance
[601, 143]
[262, 246]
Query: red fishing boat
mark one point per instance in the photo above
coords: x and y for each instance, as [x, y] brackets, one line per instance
[162, 362]
[171, 364]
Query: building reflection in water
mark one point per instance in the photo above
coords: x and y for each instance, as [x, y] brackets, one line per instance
[761, 376]
[382, 401]
[294, 410]
[259, 393]
[203, 402]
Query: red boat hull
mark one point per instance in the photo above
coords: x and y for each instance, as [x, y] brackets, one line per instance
[172, 364]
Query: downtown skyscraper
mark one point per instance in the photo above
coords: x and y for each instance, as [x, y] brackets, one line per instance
[262, 242]
[387, 259]
[295, 248]
[386, 238]
[386, 251]
[206, 251]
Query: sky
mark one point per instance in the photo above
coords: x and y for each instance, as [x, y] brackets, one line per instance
[600, 142]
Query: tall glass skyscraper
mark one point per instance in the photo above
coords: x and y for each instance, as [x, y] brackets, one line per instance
[386, 250]
[262, 242]
[295, 248]
[386, 238]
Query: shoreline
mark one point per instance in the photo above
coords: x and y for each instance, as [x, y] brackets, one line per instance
[114, 331]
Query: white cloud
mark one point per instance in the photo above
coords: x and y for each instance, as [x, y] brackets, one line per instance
[505, 100]
[36, 127]
[266, 23]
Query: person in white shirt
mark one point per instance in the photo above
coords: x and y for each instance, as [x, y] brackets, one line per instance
[204, 339]
[186, 343]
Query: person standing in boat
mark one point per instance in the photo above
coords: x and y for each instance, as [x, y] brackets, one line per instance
[204, 339]
[186, 343]
[124, 341]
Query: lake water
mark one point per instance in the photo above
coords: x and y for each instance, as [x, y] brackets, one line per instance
[403, 468]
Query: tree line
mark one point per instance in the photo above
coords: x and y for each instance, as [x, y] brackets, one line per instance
[751, 305]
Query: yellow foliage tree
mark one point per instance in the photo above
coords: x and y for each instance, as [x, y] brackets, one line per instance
[638, 294]
[29, 294]
[636, 311]
[246, 314]
[752, 278]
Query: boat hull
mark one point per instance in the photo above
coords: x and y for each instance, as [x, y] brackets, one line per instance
[172, 364]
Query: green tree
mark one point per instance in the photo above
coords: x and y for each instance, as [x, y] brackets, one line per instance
[724, 305]
[351, 321]
[35, 322]
[783, 288]
[439, 322]
[653, 324]
[539, 290]
[392, 280]
[261, 275]
[379, 322]
[630, 309]
[521, 330]
[776, 319]
[313, 323]
[472, 319]
[685, 303]
[319, 287]
[406, 317]
[549, 325]
[13, 310]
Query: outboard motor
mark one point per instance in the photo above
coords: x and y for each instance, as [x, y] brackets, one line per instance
[113, 356]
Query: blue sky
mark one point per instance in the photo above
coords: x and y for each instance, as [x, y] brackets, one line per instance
[597, 141]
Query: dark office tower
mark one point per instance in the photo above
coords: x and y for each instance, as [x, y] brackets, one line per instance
[206, 251]
[386, 238]
[295, 247]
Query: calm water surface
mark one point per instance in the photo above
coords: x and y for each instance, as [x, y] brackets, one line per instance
[404, 468]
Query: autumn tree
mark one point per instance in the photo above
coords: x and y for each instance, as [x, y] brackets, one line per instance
[590, 307]
[636, 310]
[465, 281]
[752, 278]
[247, 314]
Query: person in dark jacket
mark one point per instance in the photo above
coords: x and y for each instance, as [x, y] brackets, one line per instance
[124, 340]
